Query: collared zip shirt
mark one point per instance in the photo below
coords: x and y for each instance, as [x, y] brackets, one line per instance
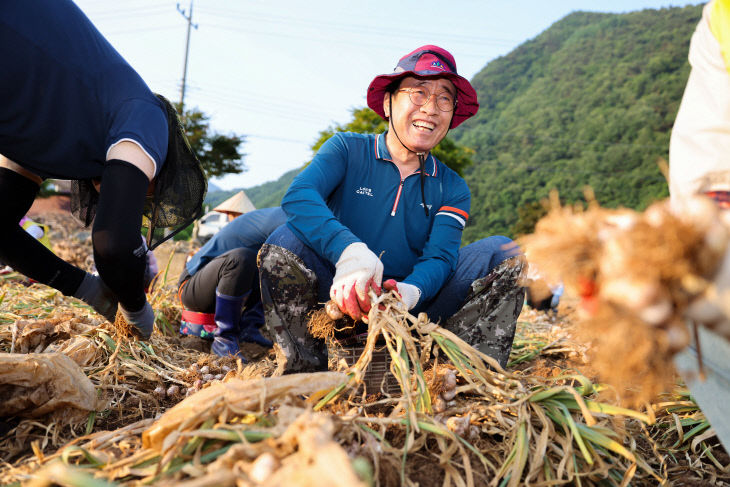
[397, 198]
[353, 192]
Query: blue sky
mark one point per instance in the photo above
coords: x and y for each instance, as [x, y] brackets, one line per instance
[278, 72]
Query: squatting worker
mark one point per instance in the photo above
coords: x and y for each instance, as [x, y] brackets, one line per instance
[365, 196]
[72, 108]
[219, 286]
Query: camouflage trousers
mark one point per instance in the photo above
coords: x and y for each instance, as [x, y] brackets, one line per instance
[289, 293]
[480, 302]
[488, 319]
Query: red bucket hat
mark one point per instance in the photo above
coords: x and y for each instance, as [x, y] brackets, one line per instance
[427, 62]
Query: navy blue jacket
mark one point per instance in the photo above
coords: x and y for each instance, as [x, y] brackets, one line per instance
[66, 95]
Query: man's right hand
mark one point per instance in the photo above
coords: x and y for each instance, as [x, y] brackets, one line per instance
[408, 293]
[357, 271]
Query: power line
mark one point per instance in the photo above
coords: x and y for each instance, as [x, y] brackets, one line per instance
[262, 108]
[279, 139]
[189, 18]
[279, 98]
[369, 30]
[260, 100]
[146, 30]
[128, 12]
[329, 41]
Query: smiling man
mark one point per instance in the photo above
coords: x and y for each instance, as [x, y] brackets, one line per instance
[375, 211]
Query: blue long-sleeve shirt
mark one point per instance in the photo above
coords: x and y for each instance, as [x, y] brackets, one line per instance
[353, 192]
[249, 230]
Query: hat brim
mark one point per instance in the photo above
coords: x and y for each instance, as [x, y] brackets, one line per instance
[466, 105]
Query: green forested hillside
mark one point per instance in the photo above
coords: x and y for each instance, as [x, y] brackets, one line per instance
[262, 196]
[590, 101]
[271, 193]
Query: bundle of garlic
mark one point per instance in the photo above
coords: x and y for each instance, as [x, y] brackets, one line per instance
[636, 274]
[442, 386]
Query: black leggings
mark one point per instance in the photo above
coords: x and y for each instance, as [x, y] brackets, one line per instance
[21, 251]
[118, 250]
[233, 273]
[116, 235]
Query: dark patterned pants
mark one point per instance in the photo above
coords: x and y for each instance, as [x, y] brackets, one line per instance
[480, 302]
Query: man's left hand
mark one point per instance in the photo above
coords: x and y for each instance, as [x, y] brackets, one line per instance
[409, 293]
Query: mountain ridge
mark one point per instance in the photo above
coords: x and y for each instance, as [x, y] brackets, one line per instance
[590, 101]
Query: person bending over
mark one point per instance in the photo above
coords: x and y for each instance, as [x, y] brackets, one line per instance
[219, 287]
[72, 108]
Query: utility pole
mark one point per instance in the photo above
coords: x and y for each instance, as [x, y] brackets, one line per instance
[189, 18]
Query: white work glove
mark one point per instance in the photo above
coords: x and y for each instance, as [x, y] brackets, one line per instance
[409, 293]
[356, 272]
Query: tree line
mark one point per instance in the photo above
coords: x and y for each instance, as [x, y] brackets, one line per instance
[588, 102]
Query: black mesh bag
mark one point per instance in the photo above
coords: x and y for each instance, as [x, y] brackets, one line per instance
[84, 199]
[180, 187]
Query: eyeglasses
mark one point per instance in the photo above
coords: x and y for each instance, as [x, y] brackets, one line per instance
[444, 101]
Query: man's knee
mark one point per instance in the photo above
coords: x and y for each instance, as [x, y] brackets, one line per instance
[487, 320]
[494, 250]
[278, 263]
[284, 238]
[240, 260]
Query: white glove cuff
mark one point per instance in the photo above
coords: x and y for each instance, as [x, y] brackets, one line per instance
[354, 250]
[410, 294]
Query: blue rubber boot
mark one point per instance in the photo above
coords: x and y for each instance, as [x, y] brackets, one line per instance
[251, 321]
[227, 317]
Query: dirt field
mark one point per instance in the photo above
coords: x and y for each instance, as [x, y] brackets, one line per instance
[52, 204]
[171, 413]
[172, 255]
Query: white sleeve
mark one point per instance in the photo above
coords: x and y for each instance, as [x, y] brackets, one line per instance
[699, 150]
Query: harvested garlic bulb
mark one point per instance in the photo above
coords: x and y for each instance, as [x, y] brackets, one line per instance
[438, 405]
[263, 467]
[458, 424]
[333, 311]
